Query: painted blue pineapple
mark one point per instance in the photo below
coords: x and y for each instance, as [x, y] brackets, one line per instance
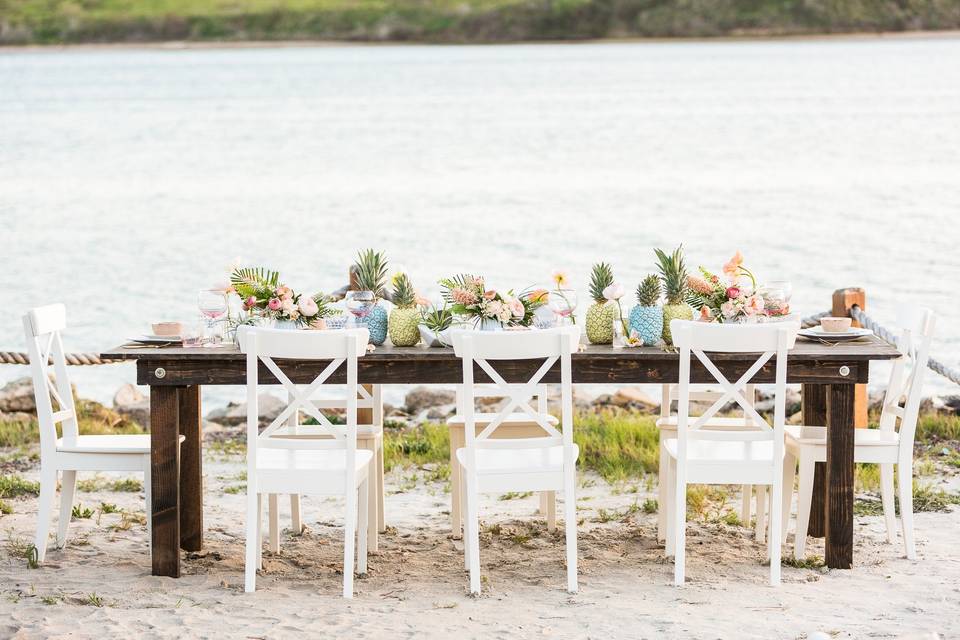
[371, 275]
[647, 318]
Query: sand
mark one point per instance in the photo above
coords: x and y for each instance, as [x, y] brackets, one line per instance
[100, 585]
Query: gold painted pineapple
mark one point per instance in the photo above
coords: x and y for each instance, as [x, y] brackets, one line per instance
[601, 314]
[673, 271]
[405, 318]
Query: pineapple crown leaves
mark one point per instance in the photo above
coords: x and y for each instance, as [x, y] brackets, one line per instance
[648, 291]
[404, 295]
[601, 277]
[674, 274]
[371, 270]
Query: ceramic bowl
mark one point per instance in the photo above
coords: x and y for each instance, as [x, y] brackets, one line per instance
[835, 325]
[167, 328]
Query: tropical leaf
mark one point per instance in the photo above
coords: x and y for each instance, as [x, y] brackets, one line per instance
[453, 282]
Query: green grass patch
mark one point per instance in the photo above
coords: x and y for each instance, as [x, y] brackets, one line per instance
[617, 445]
[13, 486]
[235, 489]
[515, 495]
[423, 444]
[5, 508]
[934, 427]
[81, 512]
[926, 498]
[92, 419]
[811, 562]
[127, 485]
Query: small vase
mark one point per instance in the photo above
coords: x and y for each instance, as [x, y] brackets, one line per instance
[489, 324]
[377, 325]
[648, 323]
[288, 325]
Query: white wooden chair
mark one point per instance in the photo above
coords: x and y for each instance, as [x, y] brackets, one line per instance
[545, 463]
[667, 426]
[712, 456]
[369, 437]
[891, 444]
[325, 466]
[72, 452]
[516, 425]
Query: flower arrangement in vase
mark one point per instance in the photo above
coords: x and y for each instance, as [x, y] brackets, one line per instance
[371, 275]
[732, 300]
[673, 273]
[404, 321]
[601, 314]
[490, 309]
[562, 299]
[646, 319]
[265, 298]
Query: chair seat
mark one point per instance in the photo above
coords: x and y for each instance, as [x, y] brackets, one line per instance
[133, 444]
[308, 471]
[806, 435]
[548, 459]
[483, 419]
[725, 423]
[308, 431]
[723, 451]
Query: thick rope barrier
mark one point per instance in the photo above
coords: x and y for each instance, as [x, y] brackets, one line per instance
[75, 359]
[951, 374]
[814, 320]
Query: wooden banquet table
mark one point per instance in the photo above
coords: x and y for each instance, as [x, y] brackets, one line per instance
[176, 375]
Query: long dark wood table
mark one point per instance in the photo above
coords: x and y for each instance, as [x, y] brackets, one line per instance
[176, 375]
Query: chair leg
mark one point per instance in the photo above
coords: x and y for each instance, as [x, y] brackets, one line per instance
[456, 490]
[349, 537]
[363, 524]
[570, 525]
[462, 492]
[68, 482]
[252, 541]
[381, 516]
[745, 507]
[761, 526]
[369, 507]
[296, 521]
[886, 497]
[789, 473]
[775, 539]
[905, 485]
[550, 500]
[48, 487]
[669, 547]
[259, 532]
[663, 492]
[473, 535]
[273, 517]
[804, 498]
[679, 526]
[148, 501]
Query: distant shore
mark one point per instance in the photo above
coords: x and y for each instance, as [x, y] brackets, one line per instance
[40, 22]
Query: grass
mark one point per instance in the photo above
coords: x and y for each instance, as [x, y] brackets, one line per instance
[810, 562]
[5, 508]
[424, 444]
[617, 445]
[57, 21]
[926, 498]
[81, 513]
[92, 418]
[13, 486]
[515, 495]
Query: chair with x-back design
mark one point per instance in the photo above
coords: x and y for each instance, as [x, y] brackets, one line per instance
[326, 466]
[545, 463]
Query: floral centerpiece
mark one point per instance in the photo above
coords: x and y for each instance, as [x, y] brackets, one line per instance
[734, 298]
[469, 297]
[263, 296]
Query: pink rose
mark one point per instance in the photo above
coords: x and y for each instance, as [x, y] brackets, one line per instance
[516, 307]
[489, 295]
[733, 292]
[274, 304]
[754, 305]
[728, 309]
[706, 314]
[250, 302]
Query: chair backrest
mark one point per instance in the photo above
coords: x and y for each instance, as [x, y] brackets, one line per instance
[701, 393]
[42, 327]
[492, 391]
[696, 339]
[341, 348]
[482, 348]
[901, 402]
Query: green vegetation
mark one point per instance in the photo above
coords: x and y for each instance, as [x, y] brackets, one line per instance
[617, 445]
[81, 512]
[925, 498]
[12, 486]
[452, 21]
[93, 418]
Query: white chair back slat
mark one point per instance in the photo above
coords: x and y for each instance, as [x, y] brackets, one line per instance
[51, 381]
[670, 393]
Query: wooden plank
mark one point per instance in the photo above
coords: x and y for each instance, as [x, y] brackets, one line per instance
[191, 470]
[815, 414]
[843, 299]
[165, 480]
[839, 476]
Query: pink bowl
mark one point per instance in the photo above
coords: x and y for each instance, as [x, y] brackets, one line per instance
[835, 325]
[167, 328]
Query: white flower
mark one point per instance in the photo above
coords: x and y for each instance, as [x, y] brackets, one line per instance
[288, 306]
[614, 291]
[516, 307]
[492, 308]
[308, 307]
[728, 309]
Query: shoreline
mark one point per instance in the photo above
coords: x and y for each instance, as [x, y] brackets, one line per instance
[189, 45]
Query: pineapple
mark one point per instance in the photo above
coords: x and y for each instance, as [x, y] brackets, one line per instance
[371, 275]
[647, 318]
[404, 322]
[674, 274]
[601, 314]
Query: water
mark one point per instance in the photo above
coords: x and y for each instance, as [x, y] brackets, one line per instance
[129, 179]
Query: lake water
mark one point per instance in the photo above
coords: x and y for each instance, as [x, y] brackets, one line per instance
[131, 178]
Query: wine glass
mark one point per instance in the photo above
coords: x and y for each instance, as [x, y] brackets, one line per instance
[563, 302]
[360, 304]
[213, 306]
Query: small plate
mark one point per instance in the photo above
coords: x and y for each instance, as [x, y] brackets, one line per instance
[817, 333]
[157, 340]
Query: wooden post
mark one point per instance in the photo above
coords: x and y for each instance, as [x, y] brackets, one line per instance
[191, 470]
[165, 480]
[815, 414]
[839, 476]
[843, 299]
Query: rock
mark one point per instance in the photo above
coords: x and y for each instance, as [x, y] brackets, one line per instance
[633, 398]
[17, 395]
[421, 398]
[235, 413]
[795, 418]
[438, 413]
[16, 416]
[130, 402]
[765, 402]
[603, 400]
[952, 404]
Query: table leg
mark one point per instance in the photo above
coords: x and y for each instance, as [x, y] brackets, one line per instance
[839, 478]
[165, 480]
[191, 470]
[815, 415]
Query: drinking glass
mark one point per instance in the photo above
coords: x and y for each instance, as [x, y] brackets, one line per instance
[776, 297]
[563, 302]
[360, 304]
[213, 307]
[192, 334]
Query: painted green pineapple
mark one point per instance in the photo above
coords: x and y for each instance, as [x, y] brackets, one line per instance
[601, 314]
[647, 318]
[674, 274]
[404, 322]
[371, 269]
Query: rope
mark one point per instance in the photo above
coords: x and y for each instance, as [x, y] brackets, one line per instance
[814, 320]
[953, 375]
[76, 359]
